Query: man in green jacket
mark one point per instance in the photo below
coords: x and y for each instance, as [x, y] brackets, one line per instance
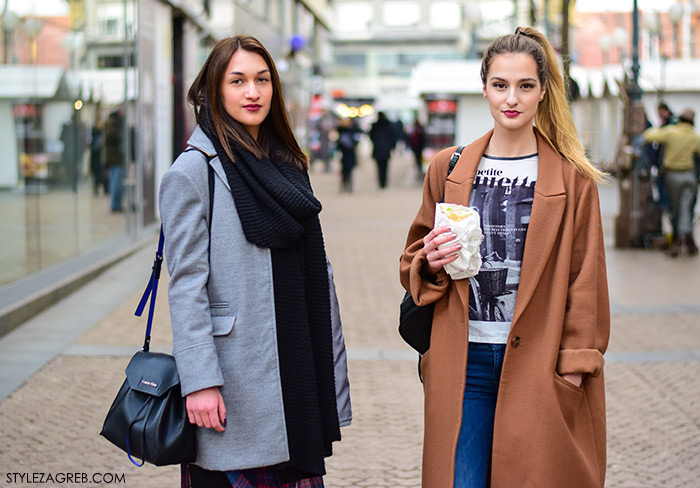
[680, 143]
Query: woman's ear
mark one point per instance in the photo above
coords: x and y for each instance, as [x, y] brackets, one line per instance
[483, 89]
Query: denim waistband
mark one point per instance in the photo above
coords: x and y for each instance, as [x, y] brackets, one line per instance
[484, 346]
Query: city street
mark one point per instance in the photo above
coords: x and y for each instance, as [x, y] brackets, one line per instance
[60, 371]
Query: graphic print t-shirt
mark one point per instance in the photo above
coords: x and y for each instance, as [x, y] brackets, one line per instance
[502, 194]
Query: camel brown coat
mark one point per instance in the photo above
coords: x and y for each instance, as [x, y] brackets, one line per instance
[548, 433]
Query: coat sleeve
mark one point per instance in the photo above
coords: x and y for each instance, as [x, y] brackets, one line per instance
[423, 288]
[587, 319]
[655, 134]
[184, 211]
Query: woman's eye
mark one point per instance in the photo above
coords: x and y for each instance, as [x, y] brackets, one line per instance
[527, 86]
[262, 79]
[500, 86]
[236, 81]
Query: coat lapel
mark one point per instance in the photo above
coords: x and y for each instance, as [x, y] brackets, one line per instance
[219, 170]
[200, 140]
[547, 211]
[458, 189]
[458, 186]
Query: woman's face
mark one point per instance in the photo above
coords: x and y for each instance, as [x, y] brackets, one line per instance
[246, 90]
[513, 90]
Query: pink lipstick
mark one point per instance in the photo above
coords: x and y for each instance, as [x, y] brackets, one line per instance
[511, 113]
[252, 107]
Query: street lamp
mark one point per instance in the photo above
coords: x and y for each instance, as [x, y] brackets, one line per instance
[626, 224]
[675, 15]
[10, 21]
[650, 26]
[619, 39]
[473, 15]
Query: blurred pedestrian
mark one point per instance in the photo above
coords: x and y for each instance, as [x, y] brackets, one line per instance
[681, 143]
[114, 158]
[655, 154]
[416, 140]
[516, 398]
[383, 137]
[74, 139]
[97, 168]
[401, 136]
[666, 115]
[348, 137]
[325, 127]
[256, 328]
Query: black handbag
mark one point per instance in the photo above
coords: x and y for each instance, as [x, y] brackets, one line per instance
[148, 418]
[416, 323]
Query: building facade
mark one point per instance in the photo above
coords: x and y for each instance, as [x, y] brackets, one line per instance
[94, 89]
[379, 43]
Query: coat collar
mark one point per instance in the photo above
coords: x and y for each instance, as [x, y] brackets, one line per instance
[550, 180]
[200, 140]
[547, 211]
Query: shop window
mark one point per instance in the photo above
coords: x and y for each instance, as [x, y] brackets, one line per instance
[115, 61]
[357, 61]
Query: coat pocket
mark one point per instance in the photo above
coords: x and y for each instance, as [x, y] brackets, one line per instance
[223, 324]
[569, 397]
[219, 308]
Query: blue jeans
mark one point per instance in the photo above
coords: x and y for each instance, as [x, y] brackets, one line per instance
[116, 187]
[473, 456]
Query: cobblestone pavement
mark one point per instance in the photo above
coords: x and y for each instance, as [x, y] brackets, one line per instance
[50, 422]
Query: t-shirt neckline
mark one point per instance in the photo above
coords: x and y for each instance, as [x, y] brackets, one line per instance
[512, 158]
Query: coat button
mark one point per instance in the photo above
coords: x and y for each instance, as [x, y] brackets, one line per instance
[515, 341]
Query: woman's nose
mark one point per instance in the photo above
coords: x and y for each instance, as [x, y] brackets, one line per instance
[252, 91]
[512, 97]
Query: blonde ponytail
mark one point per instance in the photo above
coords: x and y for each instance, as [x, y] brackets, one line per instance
[553, 117]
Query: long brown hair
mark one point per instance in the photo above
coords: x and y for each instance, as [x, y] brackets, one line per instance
[275, 134]
[553, 117]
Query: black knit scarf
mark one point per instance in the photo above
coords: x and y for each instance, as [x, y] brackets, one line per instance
[278, 210]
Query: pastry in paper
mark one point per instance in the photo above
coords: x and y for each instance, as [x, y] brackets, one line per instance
[466, 225]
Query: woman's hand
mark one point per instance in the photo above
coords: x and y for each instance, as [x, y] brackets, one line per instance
[206, 408]
[574, 378]
[437, 258]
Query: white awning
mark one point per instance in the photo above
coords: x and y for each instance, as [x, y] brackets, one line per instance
[677, 75]
[19, 81]
[448, 77]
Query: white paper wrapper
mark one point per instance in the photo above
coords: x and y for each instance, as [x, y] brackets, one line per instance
[465, 224]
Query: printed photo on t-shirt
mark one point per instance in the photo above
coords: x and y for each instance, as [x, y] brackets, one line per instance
[502, 193]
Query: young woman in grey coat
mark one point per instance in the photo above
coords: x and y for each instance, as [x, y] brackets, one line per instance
[256, 326]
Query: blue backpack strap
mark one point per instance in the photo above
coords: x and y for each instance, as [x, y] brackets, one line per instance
[152, 287]
[152, 290]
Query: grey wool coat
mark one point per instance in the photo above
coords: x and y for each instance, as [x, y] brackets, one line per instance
[223, 316]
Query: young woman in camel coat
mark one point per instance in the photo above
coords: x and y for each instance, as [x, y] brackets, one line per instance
[548, 414]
